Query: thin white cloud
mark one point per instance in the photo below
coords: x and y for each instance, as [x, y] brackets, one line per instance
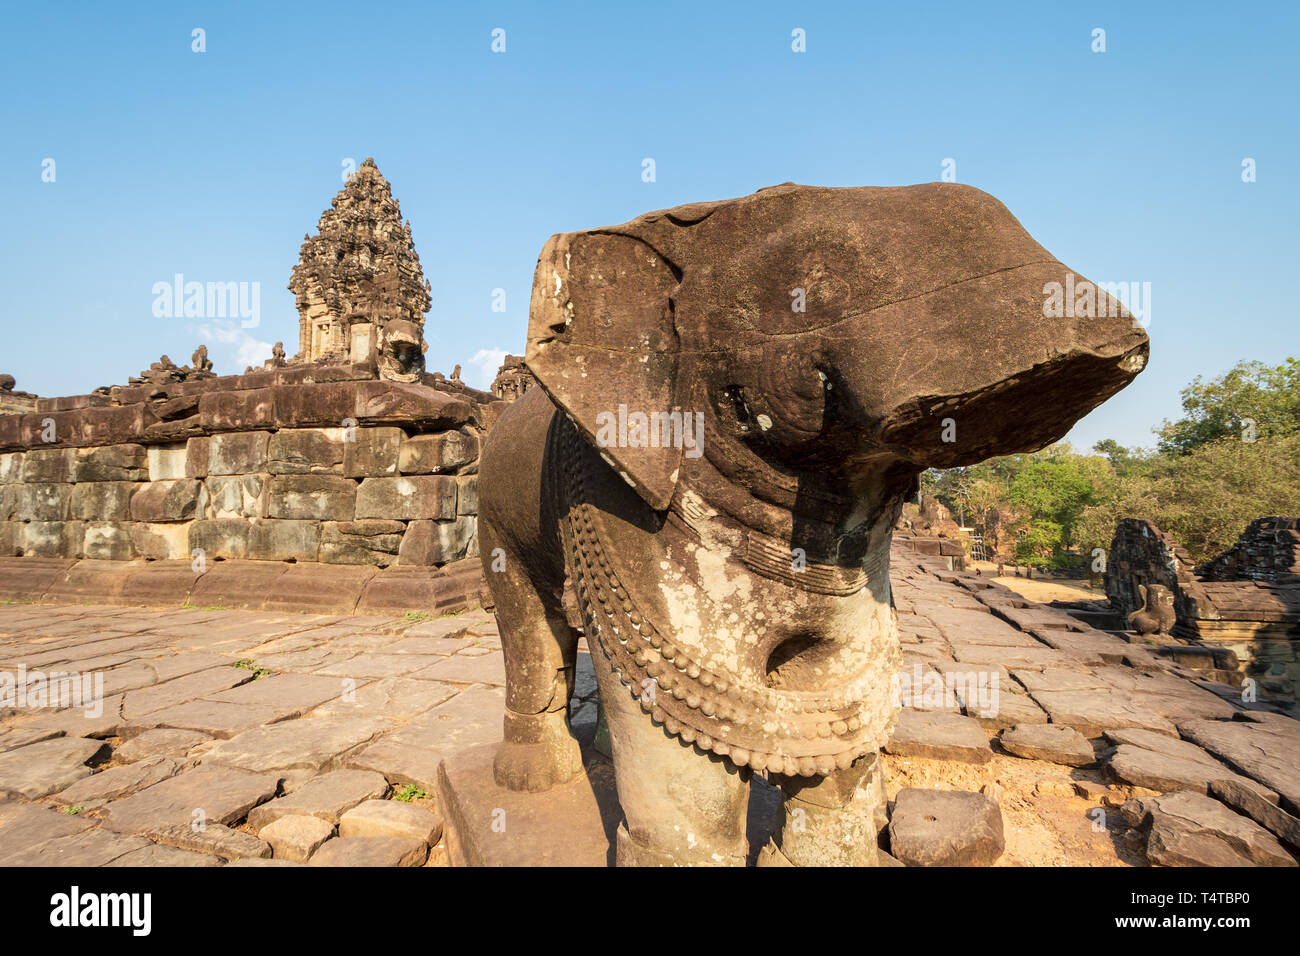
[483, 366]
[233, 347]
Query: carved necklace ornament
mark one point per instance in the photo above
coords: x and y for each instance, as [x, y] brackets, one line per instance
[795, 732]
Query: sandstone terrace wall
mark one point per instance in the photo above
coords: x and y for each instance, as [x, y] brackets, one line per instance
[307, 464]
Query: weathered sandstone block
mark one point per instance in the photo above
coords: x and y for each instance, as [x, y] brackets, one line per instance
[305, 451]
[10, 495]
[326, 404]
[197, 453]
[172, 500]
[236, 410]
[107, 540]
[322, 497]
[432, 496]
[236, 496]
[124, 462]
[166, 462]
[11, 467]
[413, 404]
[437, 453]
[241, 453]
[371, 541]
[270, 539]
[103, 500]
[44, 502]
[48, 465]
[52, 539]
[436, 542]
[467, 495]
[11, 538]
[160, 542]
[373, 452]
[108, 426]
[220, 537]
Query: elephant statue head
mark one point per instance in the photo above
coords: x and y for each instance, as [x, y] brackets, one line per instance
[847, 334]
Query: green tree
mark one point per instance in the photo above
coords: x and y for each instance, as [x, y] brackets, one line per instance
[1205, 498]
[1051, 493]
[1224, 407]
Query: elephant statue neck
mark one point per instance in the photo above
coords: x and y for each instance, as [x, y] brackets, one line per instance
[813, 530]
[790, 674]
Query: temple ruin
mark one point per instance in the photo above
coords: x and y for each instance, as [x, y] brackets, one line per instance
[1237, 615]
[349, 453]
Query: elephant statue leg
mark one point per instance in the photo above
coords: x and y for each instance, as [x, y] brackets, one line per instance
[682, 806]
[538, 750]
[527, 581]
[832, 820]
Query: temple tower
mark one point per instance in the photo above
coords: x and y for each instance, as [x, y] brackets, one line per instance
[358, 274]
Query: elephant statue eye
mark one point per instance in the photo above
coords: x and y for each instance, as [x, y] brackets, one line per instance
[734, 404]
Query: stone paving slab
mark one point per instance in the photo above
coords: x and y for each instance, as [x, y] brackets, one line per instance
[120, 781]
[178, 690]
[216, 718]
[574, 826]
[328, 797]
[939, 736]
[46, 767]
[316, 744]
[371, 851]
[159, 742]
[1252, 750]
[220, 795]
[489, 668]
[287, 695]
[27, 826]
[396, 698]
[377, 665]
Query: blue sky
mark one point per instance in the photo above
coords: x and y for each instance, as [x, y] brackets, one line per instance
[1125, 164]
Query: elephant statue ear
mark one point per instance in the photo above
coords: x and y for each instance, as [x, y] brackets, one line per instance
[602, 344]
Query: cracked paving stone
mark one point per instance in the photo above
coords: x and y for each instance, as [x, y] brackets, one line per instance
[210, 795]
[945, 828]
[395, 697]
[159, 742]
[940, 736]
[1189, 829]
[42, 768]
[123, 781]
[327, 796]
[313, 743]
[1051, 742]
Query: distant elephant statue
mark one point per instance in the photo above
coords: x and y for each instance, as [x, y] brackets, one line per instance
[1157, 615]
[735, 400]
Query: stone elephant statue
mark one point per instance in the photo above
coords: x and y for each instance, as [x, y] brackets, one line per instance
[735, 400]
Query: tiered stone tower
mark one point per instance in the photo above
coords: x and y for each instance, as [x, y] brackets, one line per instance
[359, 278]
